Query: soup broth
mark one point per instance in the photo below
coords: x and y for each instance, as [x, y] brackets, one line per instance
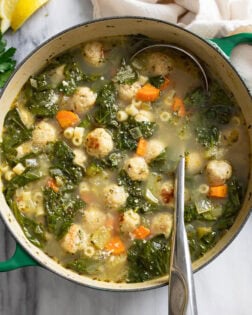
[89, 151]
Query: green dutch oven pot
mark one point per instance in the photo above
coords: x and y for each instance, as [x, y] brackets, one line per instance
[215, 55]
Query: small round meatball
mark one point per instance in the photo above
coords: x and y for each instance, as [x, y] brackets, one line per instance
[99, 143]
[43, 133]
[128, 91]
[144, 115]
[154, 148]
[159, 63]
[83, 100]
[136, 168]
[131, 220]
[162, 224]
[74, 240]
[167, 192]
[93, 218]
[194, 163]
[93, 53]
[218, 172]
[114, 196]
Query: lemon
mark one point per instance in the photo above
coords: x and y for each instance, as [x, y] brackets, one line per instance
[6, 8]
[23, 10]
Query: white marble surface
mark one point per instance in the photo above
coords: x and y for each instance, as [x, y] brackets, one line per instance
[223, 287]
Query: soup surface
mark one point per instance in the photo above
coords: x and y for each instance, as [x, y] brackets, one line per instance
[89, 151]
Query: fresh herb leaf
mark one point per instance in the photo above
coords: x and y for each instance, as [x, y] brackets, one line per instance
[106, 106]
[7, 63]
[60, 210]
[148, 259]
[15, 133]
[34, 231]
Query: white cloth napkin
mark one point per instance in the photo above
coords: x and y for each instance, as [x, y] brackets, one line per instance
[207, 18]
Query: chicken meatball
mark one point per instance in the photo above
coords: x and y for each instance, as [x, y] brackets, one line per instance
[159, 63]
[74, 240]
[93, 53]
[43, 133]
[114, 196]
[131, 220]
[93, 218]
[99, 143]
[136, 168]
[194, 163]
[218, 171]
[127, 92]
[154, 148]
[83, 100]
[162, 224]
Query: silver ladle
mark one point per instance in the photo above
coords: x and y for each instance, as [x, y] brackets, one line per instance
[195, 60]
[182, 297]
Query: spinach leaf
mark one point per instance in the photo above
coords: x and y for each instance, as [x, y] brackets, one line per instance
[196, 99]
[198, 247]
[207, 135]
[73, 76]
[25, 178]
[42, 103]
[62, 157]
[60, 207]
[85, 265]
[125, 75]
[148, 259]
[136, 199]
[106, 106]
[124, 137]
[7, 63]
[15, 133]
[157, 81]
[34, 231]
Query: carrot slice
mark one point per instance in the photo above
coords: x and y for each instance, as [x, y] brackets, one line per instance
[141, 232]
[115, 245]
[141, 147]
[148, 93]
[52, 184]
[66, 118]
[165, 84]
[179, 106]
[218, 191]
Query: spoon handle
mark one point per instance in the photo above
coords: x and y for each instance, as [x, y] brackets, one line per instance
[182, 298]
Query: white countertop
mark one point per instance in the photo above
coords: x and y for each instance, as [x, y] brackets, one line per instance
[224, 287]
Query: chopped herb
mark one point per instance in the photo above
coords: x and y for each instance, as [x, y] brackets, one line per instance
[7, 63]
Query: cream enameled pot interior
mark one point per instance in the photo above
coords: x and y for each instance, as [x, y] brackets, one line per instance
[125, 26]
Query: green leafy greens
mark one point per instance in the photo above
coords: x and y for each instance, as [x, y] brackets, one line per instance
[7, 63]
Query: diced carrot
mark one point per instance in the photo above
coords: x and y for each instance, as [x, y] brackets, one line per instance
[141, 147]
[66, 118]
[141, 232]
[218, 191]
[148, 93]
[179, 106]
[52, 184]
[165, 84]
[115, 245]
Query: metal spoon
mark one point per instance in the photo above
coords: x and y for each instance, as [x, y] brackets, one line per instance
[180, 50]
[182, 298]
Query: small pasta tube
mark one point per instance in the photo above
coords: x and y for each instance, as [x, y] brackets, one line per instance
[68, 133]
[203, 189]
[89, 251]
[121, 115]
[165, 116]
[78, 136]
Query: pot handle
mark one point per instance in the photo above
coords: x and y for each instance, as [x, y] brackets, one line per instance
[18, 260]
[227, 44]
